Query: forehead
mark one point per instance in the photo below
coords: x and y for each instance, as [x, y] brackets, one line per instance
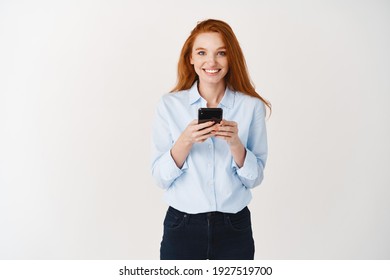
[209, 40]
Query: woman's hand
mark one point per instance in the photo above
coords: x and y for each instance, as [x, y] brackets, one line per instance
[194, 133]
[228, 130]
[198, 133]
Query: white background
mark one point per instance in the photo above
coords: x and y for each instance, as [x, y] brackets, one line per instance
[79, 81]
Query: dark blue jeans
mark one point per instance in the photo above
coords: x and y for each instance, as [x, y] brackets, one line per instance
[213, 235]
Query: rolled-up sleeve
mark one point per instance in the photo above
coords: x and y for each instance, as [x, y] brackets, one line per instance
[251, 173]
[163, 167]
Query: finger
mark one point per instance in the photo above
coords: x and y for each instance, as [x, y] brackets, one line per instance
[204, 125]
[228, 129]
[205, 131]
[225, 122]
[224, 134]
[203, 138]
[211, 128]
[223, 138]
[229, 126]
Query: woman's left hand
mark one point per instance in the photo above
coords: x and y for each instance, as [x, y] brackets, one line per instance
[228, 130]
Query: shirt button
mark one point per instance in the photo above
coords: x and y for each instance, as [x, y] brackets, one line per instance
[210, 146]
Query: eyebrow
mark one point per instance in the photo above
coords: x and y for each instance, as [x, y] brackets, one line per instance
[220, 48]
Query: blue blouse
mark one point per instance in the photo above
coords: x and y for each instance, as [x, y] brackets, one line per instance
[209, 180]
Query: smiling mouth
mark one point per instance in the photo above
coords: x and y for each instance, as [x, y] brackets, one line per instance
[211, 71]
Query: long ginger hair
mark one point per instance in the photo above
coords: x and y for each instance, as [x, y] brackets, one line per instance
[237, 77]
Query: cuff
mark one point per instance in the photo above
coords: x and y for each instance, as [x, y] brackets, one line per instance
[249, 169]
[170, 171]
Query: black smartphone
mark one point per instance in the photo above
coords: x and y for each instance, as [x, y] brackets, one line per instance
[209, 114]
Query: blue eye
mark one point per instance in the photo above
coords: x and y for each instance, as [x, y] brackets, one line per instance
[201, 53]
[222, 53]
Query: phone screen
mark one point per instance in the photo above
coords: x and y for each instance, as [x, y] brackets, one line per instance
[209, 114]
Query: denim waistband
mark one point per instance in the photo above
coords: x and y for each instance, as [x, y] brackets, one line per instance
[206, 214]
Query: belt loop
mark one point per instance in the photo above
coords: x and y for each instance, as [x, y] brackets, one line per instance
[225, 218]
[187, 218]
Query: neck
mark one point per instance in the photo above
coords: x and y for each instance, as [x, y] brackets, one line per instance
[212, 93]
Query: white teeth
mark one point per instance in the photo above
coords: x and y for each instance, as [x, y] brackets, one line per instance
[211, 71]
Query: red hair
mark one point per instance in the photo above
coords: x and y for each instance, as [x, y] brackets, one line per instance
[237, 77]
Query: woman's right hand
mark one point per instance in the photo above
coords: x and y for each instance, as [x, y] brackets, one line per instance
[194, 133]
[198, 133]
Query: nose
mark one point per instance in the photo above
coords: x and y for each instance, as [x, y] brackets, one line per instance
[211, 60]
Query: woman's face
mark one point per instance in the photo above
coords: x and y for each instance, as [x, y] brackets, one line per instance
[209, 58]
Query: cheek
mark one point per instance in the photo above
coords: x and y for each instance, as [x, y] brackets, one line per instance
[197, 64]
[198, 71]
[226, 63]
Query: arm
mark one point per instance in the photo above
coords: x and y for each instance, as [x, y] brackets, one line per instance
[251, 173]
[163, 167]
[248, 162]
[168, 155]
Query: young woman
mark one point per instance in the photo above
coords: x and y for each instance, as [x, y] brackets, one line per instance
[209, 169]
